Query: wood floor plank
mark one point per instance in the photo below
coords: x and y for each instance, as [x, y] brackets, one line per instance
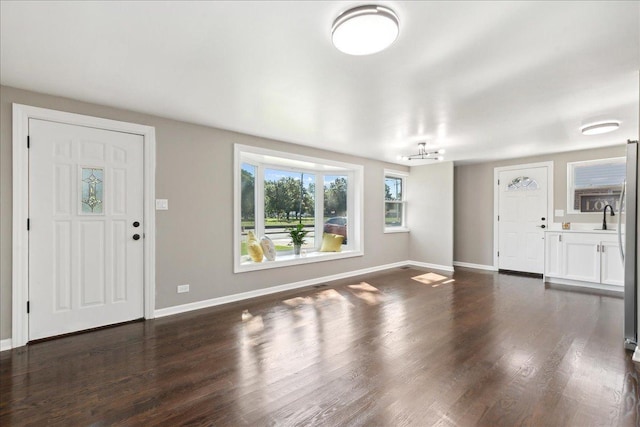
[403, 347]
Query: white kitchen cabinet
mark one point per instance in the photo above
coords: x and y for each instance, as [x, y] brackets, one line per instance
[611, 267]
[583, 259]
[553, 254]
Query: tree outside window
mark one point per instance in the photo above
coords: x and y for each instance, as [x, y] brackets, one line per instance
[276, 191]
[394, 201]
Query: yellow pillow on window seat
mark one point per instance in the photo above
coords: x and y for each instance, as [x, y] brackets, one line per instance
[255, 251]
[253, 247]
[331, 242]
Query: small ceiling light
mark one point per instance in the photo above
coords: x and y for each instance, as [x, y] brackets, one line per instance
[423, 154]
[364, 30]
[600, 127]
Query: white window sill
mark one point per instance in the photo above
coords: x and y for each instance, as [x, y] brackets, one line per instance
[396, 230]
[289, 260]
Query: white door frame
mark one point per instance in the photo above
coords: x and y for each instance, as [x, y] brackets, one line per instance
[496, 200]
[20, 243]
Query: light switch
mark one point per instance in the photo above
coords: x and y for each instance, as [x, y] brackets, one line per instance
[559, 212]
[162, 204]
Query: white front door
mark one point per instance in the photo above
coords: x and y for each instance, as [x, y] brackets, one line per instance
[86, 250]
[522, 210]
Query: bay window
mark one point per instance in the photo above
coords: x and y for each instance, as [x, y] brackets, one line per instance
[276, 191]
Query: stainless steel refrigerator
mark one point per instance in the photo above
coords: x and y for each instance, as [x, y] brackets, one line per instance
[630, 252]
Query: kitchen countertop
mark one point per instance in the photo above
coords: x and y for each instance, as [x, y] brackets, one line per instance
[584, 231]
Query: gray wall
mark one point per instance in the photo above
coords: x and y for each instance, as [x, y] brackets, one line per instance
[194, 237]
[430, 213]
[473, 188]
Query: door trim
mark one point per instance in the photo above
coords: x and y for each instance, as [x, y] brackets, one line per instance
[20, 236]
[496, 200]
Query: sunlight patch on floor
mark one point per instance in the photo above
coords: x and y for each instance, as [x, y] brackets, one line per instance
[298, 301]
[364, 286]
[252, 328]
[433, 279]
[369, 294]
[446, 282]
[331, 295]
[252, 324]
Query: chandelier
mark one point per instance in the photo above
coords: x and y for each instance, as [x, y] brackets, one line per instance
[423, 154]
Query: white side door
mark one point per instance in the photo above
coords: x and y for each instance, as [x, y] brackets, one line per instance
[522, 210]
[85, 239]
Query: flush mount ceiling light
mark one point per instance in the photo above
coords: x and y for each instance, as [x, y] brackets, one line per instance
[364, 30]
[423, 154]
[600, 127]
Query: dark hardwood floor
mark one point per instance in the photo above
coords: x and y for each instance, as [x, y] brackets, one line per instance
[387, 349]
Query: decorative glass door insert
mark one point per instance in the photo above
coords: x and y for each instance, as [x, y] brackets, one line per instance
[92, 191]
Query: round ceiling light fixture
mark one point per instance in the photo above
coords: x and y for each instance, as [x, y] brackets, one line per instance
[597, 128]
[364, 30]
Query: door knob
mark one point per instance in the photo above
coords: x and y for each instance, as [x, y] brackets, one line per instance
[541, 226]
[136, 237]
[136, 224]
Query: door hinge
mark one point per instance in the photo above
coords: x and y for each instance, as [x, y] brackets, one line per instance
[498, 217]
[28, 224]
[498, 182]
[28, 141]
[498, 253]
[28, 307]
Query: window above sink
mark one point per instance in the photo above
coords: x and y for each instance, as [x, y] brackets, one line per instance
[593, 184]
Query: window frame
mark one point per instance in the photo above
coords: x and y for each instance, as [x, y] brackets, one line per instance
[571, 185]
[403, 228]
[261, 159]
[260, 195]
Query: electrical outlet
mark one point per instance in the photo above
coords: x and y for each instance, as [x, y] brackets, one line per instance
[183, 288]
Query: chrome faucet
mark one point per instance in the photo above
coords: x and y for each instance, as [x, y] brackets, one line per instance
[604, 216]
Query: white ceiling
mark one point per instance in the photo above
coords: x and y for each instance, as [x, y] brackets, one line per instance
[485, 80]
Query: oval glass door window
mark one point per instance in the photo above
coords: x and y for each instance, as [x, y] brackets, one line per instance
[522, 183]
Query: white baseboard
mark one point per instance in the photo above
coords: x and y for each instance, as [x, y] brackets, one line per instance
[578, 283]
[636, 355]
[427, 265]
[176, 309]
[5, 344]
[476, 266]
